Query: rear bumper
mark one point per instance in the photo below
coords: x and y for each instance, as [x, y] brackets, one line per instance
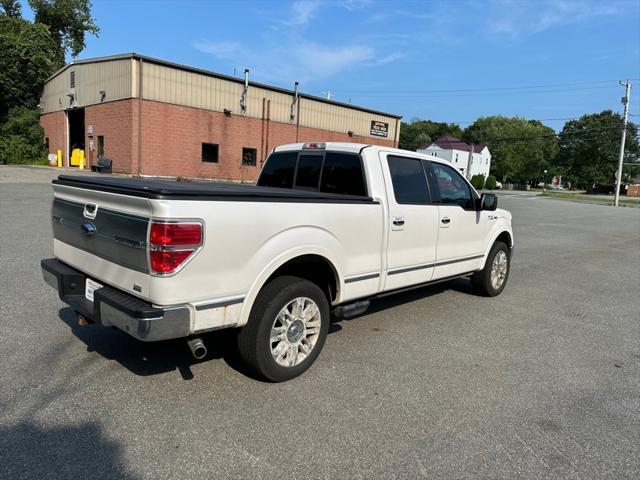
[112, 307]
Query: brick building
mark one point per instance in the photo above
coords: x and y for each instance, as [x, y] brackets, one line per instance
[153, 117]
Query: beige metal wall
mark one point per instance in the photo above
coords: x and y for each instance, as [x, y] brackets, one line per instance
[114, 77]
[180, 87]
[119, 79]
[326, 116]
[171, 85]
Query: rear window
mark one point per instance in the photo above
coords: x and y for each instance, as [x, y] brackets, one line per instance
[279, 170]
[327, 172]
[308, 175]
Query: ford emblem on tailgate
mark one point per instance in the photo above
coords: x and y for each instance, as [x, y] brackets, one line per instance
[89, 229]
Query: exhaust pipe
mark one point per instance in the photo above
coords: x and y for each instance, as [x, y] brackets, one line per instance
[82, 320]
[198, 350]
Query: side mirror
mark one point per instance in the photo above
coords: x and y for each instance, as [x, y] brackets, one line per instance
[488, 201]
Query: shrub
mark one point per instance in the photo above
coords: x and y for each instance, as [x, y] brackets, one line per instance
[478, 182]
[21, 137]
[491, 183]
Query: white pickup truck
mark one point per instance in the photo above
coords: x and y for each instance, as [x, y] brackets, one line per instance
[328, 227]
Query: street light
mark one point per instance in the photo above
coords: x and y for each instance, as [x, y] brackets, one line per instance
[544, 182]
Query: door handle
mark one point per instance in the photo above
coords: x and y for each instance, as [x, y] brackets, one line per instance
[445, 220]
[398, 222]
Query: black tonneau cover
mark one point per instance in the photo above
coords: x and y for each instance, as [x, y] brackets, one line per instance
[200, 190]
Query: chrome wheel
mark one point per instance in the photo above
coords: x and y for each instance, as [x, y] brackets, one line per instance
[295, 331]
[499, 269]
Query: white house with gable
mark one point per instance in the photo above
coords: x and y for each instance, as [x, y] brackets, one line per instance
[457, 153]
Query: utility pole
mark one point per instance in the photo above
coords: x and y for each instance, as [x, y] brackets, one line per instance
[625, 102]
[328, 94]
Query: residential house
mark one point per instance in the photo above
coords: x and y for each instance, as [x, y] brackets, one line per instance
[458, 152]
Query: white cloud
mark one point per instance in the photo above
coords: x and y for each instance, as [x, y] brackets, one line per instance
[302, 12]
[514, 18]
[219, 49]
[304, 62]
[323, 61]
[392, 57]
[285, 54]
[355, 4]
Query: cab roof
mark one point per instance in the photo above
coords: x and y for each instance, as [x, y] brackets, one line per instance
[352, 148]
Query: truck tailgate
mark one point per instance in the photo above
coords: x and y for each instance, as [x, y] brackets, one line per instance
[104, 235]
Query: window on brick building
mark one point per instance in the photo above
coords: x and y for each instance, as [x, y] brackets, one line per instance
[210, 152]
[46, 144]
[249, 157]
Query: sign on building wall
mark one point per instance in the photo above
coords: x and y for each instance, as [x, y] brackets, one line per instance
[379, 129]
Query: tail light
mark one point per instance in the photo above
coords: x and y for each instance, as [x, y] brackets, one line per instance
[171, 244]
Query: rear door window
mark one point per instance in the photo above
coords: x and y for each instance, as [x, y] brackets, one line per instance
[409, 181]
[279, 170]
[342, 173]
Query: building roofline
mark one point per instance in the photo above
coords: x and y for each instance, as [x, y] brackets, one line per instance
[221, 76]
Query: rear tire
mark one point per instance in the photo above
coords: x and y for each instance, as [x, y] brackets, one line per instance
[491, 280]
[287, 328]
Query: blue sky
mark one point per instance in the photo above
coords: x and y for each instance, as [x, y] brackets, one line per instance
[441, 60]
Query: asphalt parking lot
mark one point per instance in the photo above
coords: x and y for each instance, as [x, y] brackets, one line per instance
[540, 382]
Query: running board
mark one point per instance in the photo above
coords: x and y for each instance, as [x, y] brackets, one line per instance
[386, 293]
[358, 308]
[352, 309]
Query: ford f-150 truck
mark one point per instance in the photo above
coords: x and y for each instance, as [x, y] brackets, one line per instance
[328, 227]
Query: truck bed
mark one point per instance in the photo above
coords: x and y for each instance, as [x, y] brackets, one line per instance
[198, 190]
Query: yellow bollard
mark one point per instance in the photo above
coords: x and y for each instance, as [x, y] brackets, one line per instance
[59, 158]
[81, 160]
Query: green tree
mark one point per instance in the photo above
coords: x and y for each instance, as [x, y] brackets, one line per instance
[520, 149]
[11, 8]
[29, 54]
[491, 183]
[589, 149]
[68, 21]
[21, 137]
[26, 60]
[419, 132]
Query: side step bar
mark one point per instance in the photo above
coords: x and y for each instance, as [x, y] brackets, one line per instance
[352, 309]
[359, 307]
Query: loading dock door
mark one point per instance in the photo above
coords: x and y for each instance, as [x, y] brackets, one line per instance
[76, 135]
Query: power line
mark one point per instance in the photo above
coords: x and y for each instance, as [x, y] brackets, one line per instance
[465, 122]
[562, 137]
[404, 94]
[469, 122]
[593, 84]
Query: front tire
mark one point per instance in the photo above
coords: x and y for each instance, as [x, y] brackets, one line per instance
[491, 280]
[287, 328]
